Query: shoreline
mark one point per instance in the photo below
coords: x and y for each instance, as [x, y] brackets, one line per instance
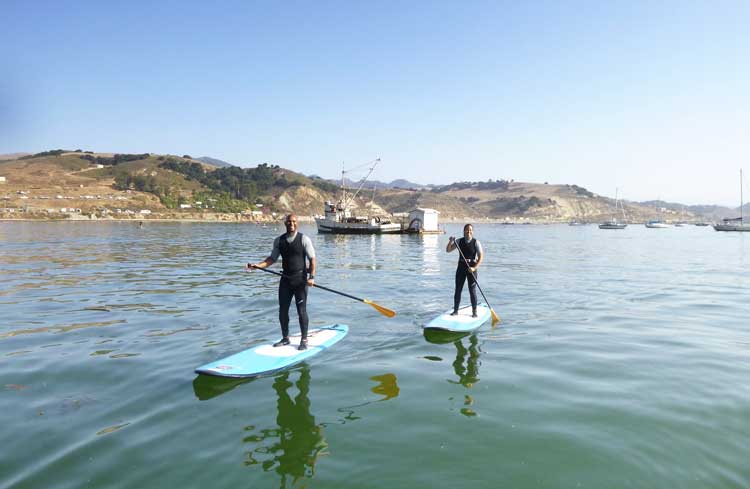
[225, 219]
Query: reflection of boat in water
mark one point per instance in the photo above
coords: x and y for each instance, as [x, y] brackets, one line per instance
[339, 219]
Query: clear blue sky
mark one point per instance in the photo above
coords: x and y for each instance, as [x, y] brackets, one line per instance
[650, 97]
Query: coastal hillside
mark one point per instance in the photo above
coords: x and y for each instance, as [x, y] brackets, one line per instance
[70, 184]
[83, 184]
[519, 201]
[12, 156]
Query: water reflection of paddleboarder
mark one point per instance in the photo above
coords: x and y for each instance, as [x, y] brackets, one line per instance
[466, 367]
[468, 374]
[300, 440]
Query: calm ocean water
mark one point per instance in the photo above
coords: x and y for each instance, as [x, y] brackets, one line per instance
[622, 361]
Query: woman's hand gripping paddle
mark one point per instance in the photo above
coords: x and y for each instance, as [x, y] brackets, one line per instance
[495, 317]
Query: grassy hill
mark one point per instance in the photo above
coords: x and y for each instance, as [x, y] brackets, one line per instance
[174, 186]
[509, 200]
[123, 184]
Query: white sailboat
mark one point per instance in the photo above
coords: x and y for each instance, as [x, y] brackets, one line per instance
[612, 223]
[657, 223]
[735, 223]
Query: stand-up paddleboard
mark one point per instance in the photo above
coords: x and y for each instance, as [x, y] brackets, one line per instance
[265, 359]
[462, 321]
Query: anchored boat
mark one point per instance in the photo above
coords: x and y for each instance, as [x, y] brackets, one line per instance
[657, 225]
[612, 223]
[736, 223]
[339, 219]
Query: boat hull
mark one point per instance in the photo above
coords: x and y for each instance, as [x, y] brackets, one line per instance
[732, 227]
[326, 226]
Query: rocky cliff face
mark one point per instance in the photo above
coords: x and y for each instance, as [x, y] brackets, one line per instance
[302, 200]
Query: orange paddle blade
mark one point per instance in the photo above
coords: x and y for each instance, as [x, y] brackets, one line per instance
[495, 317]
[382, 310]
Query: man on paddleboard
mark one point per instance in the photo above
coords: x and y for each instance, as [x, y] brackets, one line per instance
[469, 258]
[295, 250]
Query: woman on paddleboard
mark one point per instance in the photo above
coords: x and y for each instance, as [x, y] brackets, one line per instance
[469, 258]
[295, 250]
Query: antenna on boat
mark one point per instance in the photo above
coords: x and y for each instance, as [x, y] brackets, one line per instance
[343, 184]
[362, 182]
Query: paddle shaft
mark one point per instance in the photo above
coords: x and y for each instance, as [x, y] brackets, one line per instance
[316, 285]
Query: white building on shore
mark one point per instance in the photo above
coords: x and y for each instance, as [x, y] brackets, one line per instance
[422, 220]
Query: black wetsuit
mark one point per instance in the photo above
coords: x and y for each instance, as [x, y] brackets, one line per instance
[462, 272]
[293, 283]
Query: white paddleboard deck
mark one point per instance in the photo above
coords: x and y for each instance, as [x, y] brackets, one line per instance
[461, 322]
[266, 358]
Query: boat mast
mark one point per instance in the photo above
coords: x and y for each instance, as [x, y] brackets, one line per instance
[362, 182]
[343, 184]
[616, 201]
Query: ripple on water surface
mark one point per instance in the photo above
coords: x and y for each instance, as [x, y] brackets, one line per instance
[621, 360]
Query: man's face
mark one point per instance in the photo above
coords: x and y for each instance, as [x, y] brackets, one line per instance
[468, 233]
[291, 224]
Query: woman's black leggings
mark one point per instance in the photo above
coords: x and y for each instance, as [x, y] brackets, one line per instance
[462, 274]
[289, 287]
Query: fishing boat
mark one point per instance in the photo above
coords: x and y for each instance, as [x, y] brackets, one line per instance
[735, 223]
[339, 218]
[612, 223]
